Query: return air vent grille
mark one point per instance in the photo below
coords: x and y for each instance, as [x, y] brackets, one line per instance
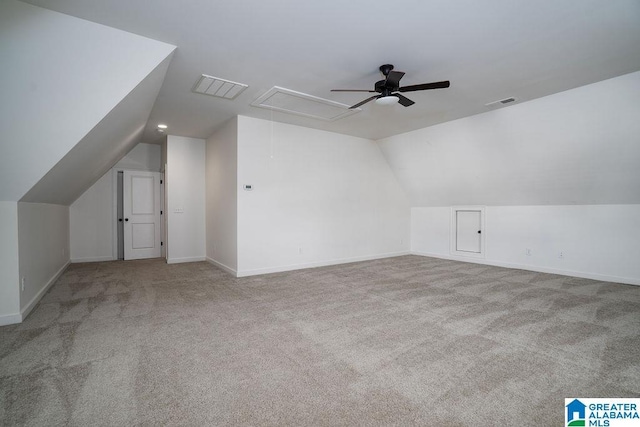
[292, 102]
[214, 86]
[502, 102]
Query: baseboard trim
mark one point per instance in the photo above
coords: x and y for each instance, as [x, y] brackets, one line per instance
[222, 266]
[302, 266]
[583, 275]
[36, 299]
[10, 319]
[92, 259]
[181, 260]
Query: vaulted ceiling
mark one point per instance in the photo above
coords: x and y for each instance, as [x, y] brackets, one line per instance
[77, 95]
[489, 50]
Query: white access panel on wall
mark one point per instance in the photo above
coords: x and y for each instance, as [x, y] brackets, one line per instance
[467, 224]
[141, 215]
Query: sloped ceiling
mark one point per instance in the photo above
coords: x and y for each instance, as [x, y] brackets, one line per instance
[578, 147]
[102, 147]
[489, 49]
[61, 77]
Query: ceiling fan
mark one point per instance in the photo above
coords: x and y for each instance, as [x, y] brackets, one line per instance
[389, 87]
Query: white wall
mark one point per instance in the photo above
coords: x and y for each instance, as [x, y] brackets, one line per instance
[597, 241]
[559, 173]
[578, 147]
[92, 222]
[163, 196]
[185, 173]
[9, 268]
[43, 233]
[145, 157]
[92, 215]
[318, 198]
[222, 196]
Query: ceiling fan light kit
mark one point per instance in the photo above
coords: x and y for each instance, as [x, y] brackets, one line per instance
[389, 88]
[387, 100]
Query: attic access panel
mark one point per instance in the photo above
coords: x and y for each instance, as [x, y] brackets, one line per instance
[301, 104]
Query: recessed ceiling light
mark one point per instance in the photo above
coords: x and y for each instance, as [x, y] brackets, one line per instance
[161, 126]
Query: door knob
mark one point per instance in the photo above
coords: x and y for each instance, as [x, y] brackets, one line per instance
[126, 219]
[120, 219]
[479, 231]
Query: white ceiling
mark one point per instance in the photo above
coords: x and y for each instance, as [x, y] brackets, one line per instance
[489, 50]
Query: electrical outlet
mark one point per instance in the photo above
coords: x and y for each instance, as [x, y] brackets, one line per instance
[22, 285]
[527, 251]
[561, 255]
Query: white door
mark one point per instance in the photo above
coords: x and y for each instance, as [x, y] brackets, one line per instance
[141, 214]
[468, 231]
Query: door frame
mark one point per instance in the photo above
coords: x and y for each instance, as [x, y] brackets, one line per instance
[145, 218]
[114, 222]
[454, 232]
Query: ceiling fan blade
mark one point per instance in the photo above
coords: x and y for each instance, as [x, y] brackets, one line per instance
[352, 90]
[403, 100]
[393, 79]
[425, 86]
[364, 102]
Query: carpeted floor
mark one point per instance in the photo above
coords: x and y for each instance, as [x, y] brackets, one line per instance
[400, 341]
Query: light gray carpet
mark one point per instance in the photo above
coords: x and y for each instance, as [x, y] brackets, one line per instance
[401, 341]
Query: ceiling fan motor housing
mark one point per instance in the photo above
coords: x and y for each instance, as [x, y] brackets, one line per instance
[385, 69]
[381, 87]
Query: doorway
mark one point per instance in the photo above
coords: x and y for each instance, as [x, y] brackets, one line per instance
[139, 215]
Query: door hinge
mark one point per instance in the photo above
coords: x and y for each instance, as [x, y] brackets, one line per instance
[160, 181]
[161, 243]
[160, 212]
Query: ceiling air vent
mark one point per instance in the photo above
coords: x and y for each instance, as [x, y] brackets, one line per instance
[292, 102]
[214, 86]
[502, 102]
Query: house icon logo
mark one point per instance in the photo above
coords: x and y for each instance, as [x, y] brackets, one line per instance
[576, 413]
